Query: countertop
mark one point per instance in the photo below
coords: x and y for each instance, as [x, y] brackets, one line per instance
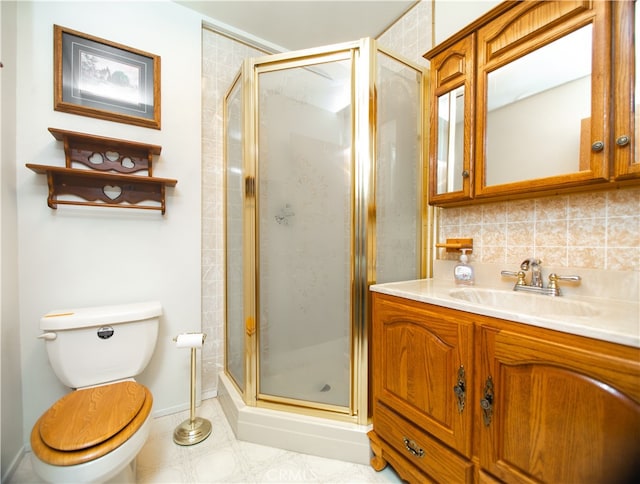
[612, 320]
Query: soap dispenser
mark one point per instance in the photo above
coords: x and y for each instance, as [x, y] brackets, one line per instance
[463, 272]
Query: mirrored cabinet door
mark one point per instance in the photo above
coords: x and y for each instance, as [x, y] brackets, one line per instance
[542, 102]
[625, 88]
[450, 150]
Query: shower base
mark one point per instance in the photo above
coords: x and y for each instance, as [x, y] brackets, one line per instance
[299, 433]
[314, 377]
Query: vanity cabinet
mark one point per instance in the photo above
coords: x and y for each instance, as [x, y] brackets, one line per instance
[538, 406]
[534, 97]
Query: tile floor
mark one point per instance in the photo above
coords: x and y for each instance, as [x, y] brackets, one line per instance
[222, 458]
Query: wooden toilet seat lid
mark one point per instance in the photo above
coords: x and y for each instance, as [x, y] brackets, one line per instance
[69, 458]
[84, 418]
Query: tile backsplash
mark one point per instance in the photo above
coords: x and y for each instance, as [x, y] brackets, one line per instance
[594, 230]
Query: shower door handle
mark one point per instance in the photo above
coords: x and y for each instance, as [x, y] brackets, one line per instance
[250, 186]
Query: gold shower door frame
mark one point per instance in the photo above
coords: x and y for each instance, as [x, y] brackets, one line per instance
[362, 56]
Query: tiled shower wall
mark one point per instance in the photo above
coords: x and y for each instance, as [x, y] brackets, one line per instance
[599, 230]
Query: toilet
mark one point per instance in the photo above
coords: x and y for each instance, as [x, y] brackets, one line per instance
[94, 433]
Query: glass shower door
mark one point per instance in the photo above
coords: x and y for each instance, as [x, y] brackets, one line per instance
[234, 187]
[304, 232]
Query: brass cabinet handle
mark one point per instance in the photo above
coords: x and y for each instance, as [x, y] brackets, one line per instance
[460, 389]
[487, 402]
[597, 146]
[412, 447]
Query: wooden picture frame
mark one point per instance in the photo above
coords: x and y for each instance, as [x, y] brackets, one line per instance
[102, 79]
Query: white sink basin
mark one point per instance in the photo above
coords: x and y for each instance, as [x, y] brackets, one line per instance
[537, 304]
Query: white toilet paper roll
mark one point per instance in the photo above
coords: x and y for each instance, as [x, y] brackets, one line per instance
[190, 340]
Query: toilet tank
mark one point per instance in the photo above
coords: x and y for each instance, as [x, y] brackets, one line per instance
[95, 345]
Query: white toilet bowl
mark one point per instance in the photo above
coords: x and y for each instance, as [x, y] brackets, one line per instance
[94, 433]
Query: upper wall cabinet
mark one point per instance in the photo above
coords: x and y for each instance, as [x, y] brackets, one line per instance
[535, 96]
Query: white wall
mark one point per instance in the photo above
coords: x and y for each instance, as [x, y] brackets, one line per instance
[83, 256]
[453, 15]
[11, 427]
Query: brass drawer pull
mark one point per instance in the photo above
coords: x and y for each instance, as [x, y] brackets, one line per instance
[412, 447]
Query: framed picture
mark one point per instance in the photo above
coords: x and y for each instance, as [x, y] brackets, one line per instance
[102, 79]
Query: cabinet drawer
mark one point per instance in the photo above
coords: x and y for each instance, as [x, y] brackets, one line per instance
[419, 448]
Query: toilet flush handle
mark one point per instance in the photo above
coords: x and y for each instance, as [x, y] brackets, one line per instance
[48, 336]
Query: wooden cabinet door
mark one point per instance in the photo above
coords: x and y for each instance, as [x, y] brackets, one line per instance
[419, 354]
[451, 124]
[562, 408]
[626, 151]
[518, 35]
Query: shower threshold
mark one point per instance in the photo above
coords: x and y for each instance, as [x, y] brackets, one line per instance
[291, 431]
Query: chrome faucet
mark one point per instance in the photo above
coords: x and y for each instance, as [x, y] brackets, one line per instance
[536, 273]
[535, 284]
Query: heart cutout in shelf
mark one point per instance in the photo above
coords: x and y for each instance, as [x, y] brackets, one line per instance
[96, 159]
[112, 191]
[112, 155]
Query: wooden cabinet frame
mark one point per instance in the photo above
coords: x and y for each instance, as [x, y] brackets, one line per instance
[625, 119]
[509, 31]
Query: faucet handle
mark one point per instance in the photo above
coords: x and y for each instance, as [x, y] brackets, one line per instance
[520, 275]
[554, 278]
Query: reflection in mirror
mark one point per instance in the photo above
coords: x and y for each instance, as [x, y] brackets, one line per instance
[450, 140]
[538, 112]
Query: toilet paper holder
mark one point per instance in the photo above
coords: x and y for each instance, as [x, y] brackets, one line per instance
[194, 429]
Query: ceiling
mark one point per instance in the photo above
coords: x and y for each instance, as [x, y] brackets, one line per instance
[300, 24]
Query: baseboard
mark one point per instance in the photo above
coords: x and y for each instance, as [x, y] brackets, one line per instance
[15, 463]
[183, 406]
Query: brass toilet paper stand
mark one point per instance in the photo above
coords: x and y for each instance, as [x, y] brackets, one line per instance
[195, 429]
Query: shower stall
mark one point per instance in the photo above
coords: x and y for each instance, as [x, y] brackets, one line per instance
[324, 195]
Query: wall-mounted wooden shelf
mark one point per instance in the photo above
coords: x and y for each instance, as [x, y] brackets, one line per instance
[103, 189]
[106, 177]
[106, 154]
